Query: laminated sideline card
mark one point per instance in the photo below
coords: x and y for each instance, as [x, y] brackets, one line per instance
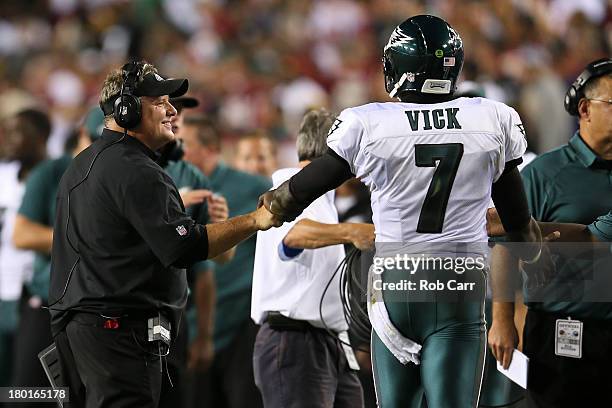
[517, 371]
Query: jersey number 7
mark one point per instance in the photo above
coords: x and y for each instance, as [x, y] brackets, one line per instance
[431, 219]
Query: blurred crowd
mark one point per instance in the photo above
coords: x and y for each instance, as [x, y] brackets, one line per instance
[258, 65]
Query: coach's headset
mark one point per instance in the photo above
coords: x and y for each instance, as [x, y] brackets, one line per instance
[127, 109]
[127, 114]
[576, 90]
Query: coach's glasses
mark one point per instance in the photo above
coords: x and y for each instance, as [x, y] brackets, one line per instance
[608, 101]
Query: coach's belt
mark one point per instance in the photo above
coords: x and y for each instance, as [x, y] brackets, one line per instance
[131, 321]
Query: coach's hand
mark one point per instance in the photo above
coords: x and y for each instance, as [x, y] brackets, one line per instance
[265, 220]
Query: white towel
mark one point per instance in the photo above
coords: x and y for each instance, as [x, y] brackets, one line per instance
[404, 349]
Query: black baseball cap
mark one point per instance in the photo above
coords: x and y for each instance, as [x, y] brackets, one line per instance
[153, 85]
[185, 102]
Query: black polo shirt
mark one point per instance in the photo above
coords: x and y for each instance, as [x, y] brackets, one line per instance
[122, 229]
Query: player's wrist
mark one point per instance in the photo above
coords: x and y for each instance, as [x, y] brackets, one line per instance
[503, 312]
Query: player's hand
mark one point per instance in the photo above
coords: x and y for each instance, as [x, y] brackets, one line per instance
[265, 199]
[495, 227]
[193, 197]
[503, 339]
[281, 203]
[201, 353]
[217, 208]
[362, 236]
[264, 219]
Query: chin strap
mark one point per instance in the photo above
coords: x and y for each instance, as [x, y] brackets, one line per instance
[398, 85]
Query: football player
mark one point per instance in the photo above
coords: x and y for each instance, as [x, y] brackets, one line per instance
[431, 162]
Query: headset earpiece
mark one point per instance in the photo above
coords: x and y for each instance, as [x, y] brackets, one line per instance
[571, 101]
[127, 112]
[576, 90]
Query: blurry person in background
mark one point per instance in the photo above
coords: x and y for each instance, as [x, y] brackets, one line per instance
[33, 231]
[65, 91]
[193, 345]
[172, 161]
[256, 154]
[25, 138]
[234, 332]
[548, 123]
[293, 267]
[23, 134]
[570, 184]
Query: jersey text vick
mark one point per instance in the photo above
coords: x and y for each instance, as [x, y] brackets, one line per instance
[439, 118]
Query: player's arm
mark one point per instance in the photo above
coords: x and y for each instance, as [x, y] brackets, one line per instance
[346, 139]
[503, 336]
[309, 234]
[323, 174]
[32, 235]
[510, 200]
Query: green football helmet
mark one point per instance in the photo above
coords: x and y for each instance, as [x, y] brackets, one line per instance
[424, 55]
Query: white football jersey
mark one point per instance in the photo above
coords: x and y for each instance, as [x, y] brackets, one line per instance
[429, 167]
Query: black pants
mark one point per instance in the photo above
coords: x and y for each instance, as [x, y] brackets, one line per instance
[174, 384]
[295, 369]
[559, 382]
[33, 335]
[229, 382]
[116, 367]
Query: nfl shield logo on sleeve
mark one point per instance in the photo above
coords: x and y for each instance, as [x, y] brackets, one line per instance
[182, 231]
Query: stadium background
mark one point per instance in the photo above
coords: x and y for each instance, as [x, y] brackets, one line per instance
[257, 65]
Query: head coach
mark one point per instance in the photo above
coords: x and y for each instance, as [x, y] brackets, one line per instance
[122, 240]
